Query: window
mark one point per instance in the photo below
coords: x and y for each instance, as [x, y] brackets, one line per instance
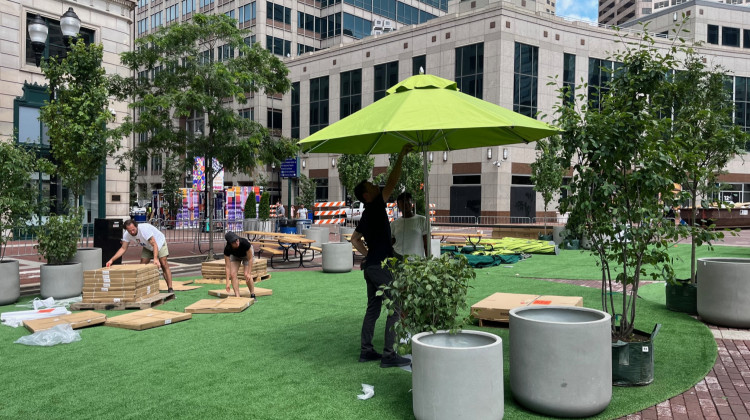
[410, 15]
[417, 63]
[55, 46]
[156, 20]
[730, 36]
[329, 26]
[713, 35]
[279, 46]
[30, 128]
[274, 121]
[356, 26]
[206, 3]
[470, 69]
[226, 52]
[302, 48]
[279, 13]
[321, 189]
[386, 75]
[206, 57]
[746, 38]
[156, 165]
[742, 103]
[142, 26]
[247, 113]
[142, 3]
[569, 77]
[385, 8]
[295, 110]
[525, 79]
[249, 41]
[188, 6]
[600, 72]
[350, 92]
[318, 103]
[247, 12]
[173, 12]
[230, 14]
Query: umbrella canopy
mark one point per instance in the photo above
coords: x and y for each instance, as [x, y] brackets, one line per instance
[430, 113]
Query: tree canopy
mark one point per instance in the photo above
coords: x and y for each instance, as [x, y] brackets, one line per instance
[353, 169]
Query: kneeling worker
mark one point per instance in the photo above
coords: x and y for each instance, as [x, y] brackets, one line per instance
[238, 250]
[154, 245]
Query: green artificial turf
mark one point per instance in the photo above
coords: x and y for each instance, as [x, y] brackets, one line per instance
[294, 355]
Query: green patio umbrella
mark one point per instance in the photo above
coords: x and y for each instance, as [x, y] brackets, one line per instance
[430, 113]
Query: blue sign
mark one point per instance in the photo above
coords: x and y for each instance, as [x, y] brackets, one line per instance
[289, 168]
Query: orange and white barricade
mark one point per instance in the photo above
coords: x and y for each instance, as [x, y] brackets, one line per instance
[330, 213]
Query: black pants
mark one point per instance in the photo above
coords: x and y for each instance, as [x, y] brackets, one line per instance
[376, 276]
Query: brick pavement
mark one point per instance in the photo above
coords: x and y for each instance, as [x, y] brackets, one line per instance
[723, 394]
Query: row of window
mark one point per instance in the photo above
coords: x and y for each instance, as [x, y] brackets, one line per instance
[394, 9]
[730, 37]
[279, 13]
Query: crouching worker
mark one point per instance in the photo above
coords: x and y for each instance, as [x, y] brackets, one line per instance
[154, 246]
[238, 251]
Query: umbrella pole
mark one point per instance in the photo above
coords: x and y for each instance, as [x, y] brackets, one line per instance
[425, 171]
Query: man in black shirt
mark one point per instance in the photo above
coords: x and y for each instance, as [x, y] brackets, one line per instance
[376, 231]
[238, 251]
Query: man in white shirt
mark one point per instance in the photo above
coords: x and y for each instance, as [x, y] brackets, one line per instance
[302, 212]
[154, 245]
[409, 232]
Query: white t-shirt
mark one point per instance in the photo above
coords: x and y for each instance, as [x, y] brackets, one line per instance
[302, 213]
[408, 233]
[145, 232]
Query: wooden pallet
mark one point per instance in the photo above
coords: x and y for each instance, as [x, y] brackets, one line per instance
[222, 281]
[493, 323]
[121, 306]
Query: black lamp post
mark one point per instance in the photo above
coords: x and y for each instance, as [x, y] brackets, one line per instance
[70, 25]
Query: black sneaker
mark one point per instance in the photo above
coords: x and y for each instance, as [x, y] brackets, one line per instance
[394, 361]
[252, 296]
[170, 290]
[369, 356]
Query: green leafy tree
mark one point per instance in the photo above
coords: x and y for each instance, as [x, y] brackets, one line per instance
[249, 210]
[547, 171]
[176, 78]
[173, 173]
[58, 237]
[77, 114]
[18, 196]
[411, 179]
[622, 166]
[703, 140]
[307, 189]
[353, 169]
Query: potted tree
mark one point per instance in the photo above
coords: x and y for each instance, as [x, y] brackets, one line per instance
[615, 140]
[448, 363]
[703, 139]
[58, 239]
[250, 212]
[264, 213]
[17, 206]
[547, 174]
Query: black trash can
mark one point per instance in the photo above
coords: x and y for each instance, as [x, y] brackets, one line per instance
[107, 236]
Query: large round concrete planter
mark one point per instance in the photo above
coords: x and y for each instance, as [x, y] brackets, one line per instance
[435, 248]
[90, 258]
[319, 235]
[10, 282]
[561, 360]
[61, 281]
[337, 257]
[558, 232]
[344, 230]
[724, 291]
[250, 224]
[457, 376]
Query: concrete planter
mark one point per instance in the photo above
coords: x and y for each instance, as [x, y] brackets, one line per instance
[61, 281]
[561, 360]
[250, 224]
[457, 376]
[320, 235]
[724, 291]
[90, 258]
[337, 257]
[343, 230]
[557, 234]
[10, 282]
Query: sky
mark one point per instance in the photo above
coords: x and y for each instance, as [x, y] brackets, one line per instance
[578, 9]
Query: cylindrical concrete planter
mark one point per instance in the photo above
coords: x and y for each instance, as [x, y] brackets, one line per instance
[457, 376]
[561, 360]
[435, 248]
[557, 234]
[337, 257]
[319, 235]
[343, 230]
[61, 281]
[90, 258]
[250, 224]
[10, 282]
[724, 291]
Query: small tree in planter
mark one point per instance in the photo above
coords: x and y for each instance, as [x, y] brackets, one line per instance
[250, 213]
[622, 166]
[264, 210]
[547, 171]
[58, 239]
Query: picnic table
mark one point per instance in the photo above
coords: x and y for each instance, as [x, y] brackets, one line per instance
[471, 238]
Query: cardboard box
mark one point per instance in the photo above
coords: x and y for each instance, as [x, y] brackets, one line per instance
[121, 283]
[180, 286]
[244, 292]
[147, 318]
[215, 306]
[216, 269]
[496, 307]
[76, 321]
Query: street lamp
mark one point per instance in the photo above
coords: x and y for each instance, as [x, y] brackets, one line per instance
[70, 25]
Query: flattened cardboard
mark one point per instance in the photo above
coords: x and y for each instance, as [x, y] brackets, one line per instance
[244, 292]
[178, 286]
[497, 306]
[76, 320]
[147, 318]
[216, 269]
[216, 306]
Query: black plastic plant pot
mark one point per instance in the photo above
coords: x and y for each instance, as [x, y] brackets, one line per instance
[633, 362]
[573, 244]
[682, 297]
[543, 237]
